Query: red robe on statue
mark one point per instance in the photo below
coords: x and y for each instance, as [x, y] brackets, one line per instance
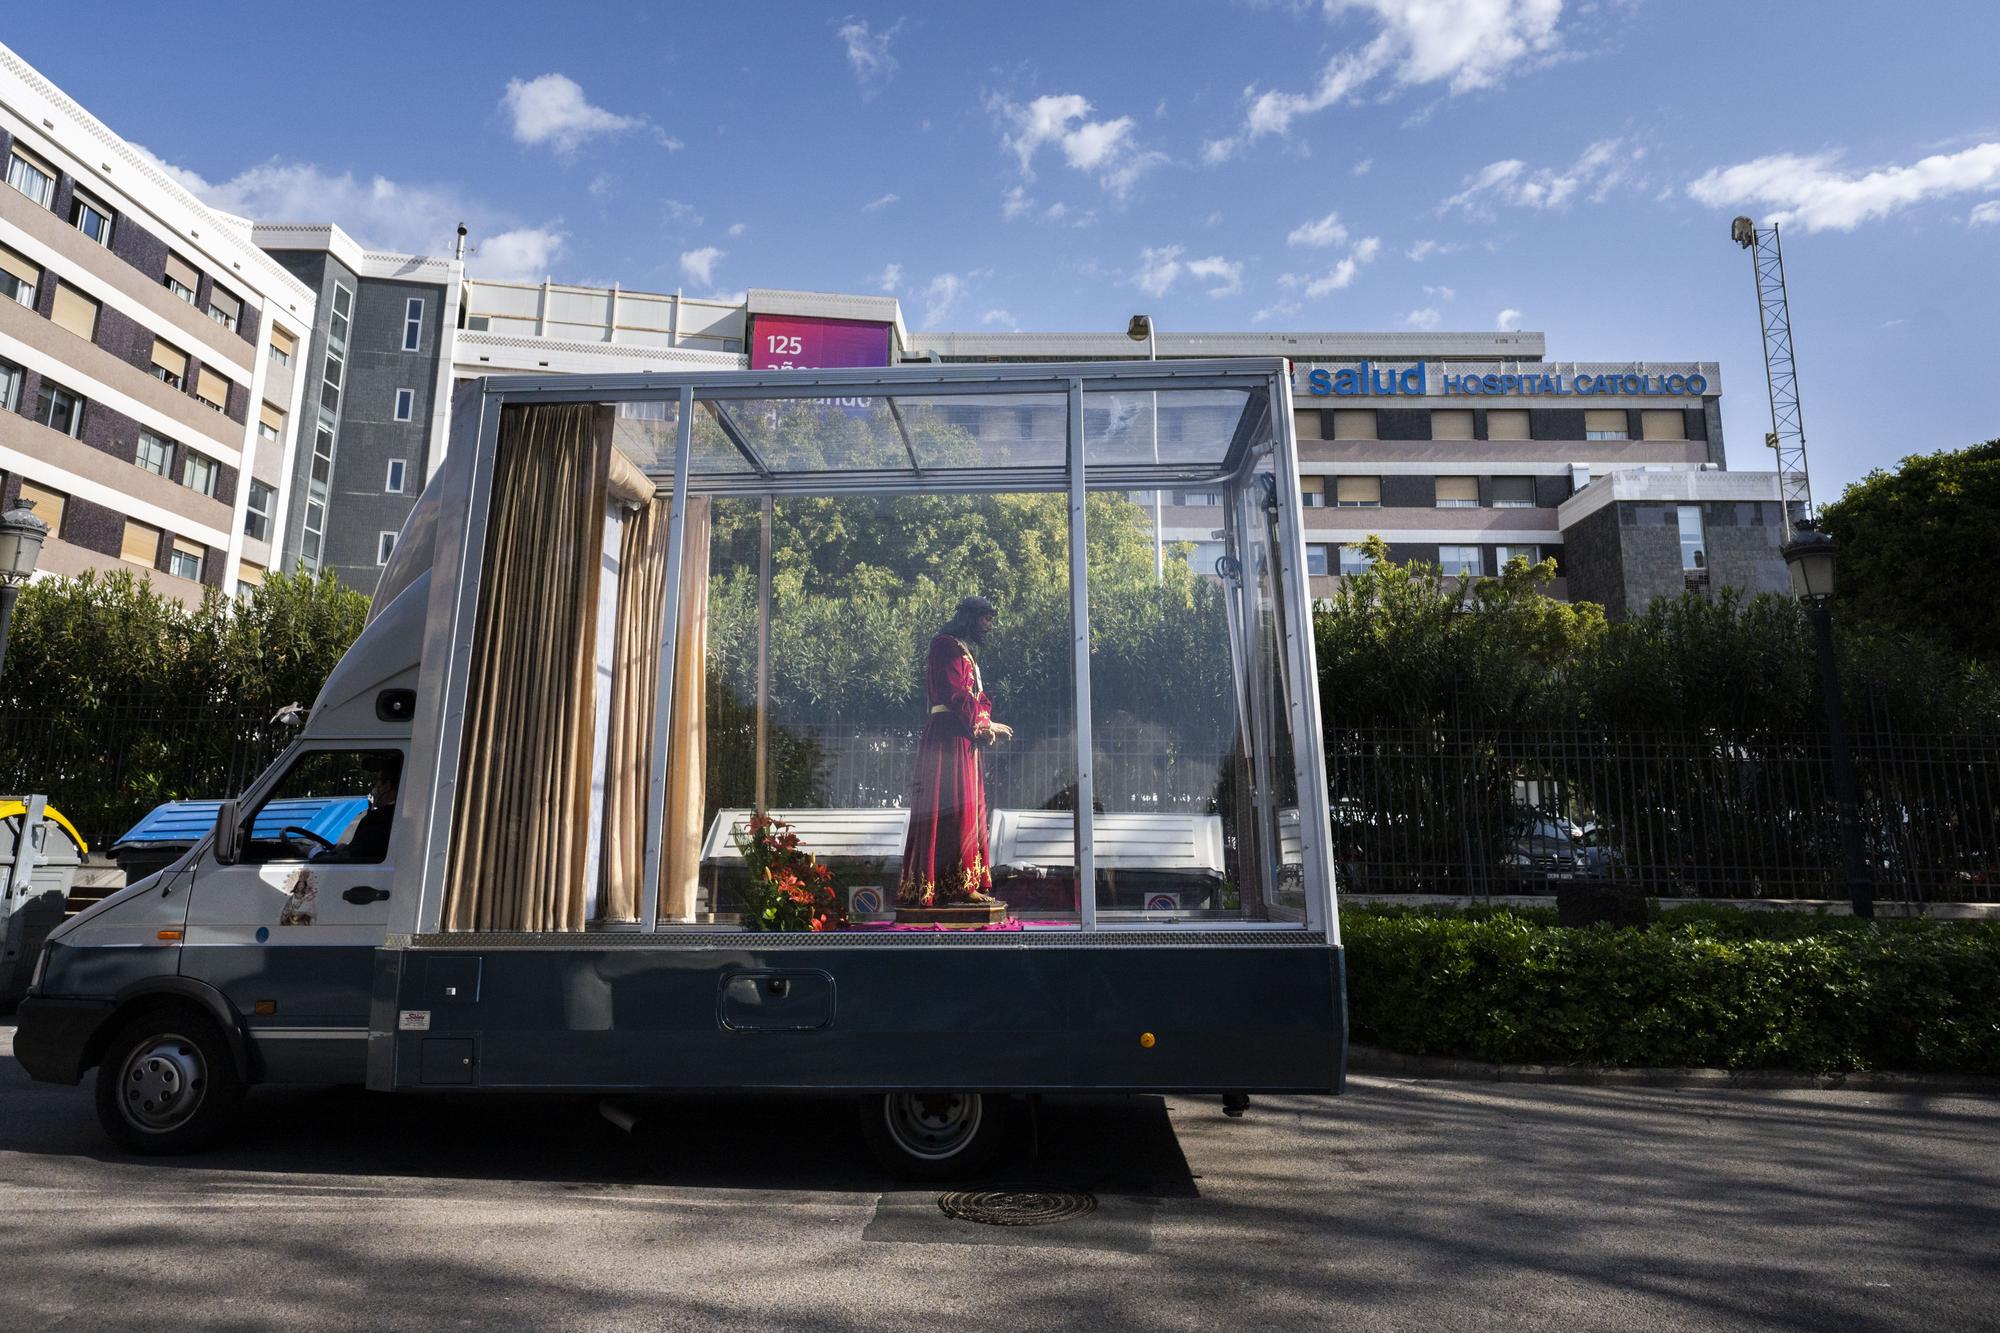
[944, 857]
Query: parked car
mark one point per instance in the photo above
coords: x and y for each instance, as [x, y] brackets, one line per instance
[1543, 849]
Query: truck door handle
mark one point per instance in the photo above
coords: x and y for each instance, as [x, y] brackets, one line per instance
[362, 894]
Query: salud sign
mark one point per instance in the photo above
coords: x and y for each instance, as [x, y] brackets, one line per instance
[808, 342]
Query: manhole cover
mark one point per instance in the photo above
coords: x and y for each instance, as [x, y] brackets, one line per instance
[1017, 1207]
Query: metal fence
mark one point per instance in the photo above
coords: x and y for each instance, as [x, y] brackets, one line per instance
[1464, 811]
[104, 767]
[1453, 810]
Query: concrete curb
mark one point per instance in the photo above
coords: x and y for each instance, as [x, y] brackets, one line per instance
[1375, 1060]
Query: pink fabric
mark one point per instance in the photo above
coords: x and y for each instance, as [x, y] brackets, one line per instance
[1000, 925]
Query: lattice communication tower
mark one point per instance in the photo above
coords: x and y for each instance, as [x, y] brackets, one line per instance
[1787, 436]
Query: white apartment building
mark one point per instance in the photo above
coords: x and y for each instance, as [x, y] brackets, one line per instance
[148, 356]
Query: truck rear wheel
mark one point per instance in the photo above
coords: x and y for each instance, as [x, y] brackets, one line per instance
[167, 1083]
[934, 1135]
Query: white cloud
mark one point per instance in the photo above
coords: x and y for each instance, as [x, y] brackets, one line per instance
[881, 202]
[1423, 250]
[1227, 274]
[890, 278]
[1280, 310]
[600, 185]
[1341, 275]
[551, 109]
[1603, 166]
[521, 255]
[699, 265]
[1508, 320]
[737, 228]
[1445, 294]
[682, 214]
[380, 213]
[940, 295]
[1362, 168]
[868, 53]
[1015, 202]
[1318, 233]
[1813, 193]
[1985, 215]
[1426, 318]
[1467, 45]
[1159, 269]
[1105, 149]
[999, 319]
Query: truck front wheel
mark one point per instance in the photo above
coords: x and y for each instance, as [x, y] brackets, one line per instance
[167, 1083]
[934, 1135]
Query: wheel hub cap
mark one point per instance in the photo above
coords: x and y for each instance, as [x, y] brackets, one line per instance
[933, 1124]
[162, 1083]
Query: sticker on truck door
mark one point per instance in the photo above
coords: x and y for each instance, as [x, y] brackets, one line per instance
[301, 900]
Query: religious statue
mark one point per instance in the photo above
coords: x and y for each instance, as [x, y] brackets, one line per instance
[945, 856]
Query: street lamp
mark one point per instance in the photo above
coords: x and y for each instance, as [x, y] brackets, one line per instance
[21, 537]
[1140, 330]
[1809, 556]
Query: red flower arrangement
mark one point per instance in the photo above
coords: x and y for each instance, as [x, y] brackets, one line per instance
[789, 889]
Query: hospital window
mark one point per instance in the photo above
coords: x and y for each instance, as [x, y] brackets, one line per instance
[1458, 492]
[18, 277]
[1506, 555]
[141, 544]
[1357, 493]
[1694, 552]
[385, 546]
[1316, 560]
[413, 324]
[90, 217]
[1312, 492]
[184, 560]
[406, 403]
[393, 483]
[1451, 424]
[198, 473]
[48, 505]
[1513, 492]
[154, 454]
[1350, 425]
[11, 379]
[60, 409]
[1669, 425]
[257, 512]
[1459, 560]
[1354, 560]
[1605, 424]
[1508, 423]
[31, 176]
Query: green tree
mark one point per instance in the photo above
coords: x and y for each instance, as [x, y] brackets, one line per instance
[1915, 546]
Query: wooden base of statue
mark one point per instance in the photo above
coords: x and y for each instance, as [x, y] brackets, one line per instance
[953, 914]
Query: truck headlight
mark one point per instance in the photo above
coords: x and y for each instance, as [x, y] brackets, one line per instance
[41, 966]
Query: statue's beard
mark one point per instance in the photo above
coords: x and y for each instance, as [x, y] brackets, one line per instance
[972, 632]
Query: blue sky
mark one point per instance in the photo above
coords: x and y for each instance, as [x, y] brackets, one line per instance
[1564, 166]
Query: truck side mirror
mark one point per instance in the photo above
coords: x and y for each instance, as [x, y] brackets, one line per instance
[227, 830]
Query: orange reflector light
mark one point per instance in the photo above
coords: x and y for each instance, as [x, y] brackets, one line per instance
[170, 936]
[1146, 1040]
[265, 1008]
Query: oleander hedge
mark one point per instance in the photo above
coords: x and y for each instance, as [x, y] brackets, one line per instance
[1697, 988]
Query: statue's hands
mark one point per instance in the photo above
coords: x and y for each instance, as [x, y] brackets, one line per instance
[1000, 731]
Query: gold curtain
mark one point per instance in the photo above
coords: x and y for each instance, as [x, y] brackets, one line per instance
[687, 743]
[635, 676]
[517, 853]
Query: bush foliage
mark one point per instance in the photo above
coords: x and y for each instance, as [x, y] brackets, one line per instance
[1697, 988]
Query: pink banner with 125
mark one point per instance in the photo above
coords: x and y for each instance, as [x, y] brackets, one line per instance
[803, 342]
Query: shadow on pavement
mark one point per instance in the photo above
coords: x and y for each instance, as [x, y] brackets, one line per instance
[1118, 1145]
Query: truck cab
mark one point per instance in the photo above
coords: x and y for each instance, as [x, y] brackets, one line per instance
[249, 959]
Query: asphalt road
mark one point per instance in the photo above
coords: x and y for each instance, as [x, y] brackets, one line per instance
[1404, 1204]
